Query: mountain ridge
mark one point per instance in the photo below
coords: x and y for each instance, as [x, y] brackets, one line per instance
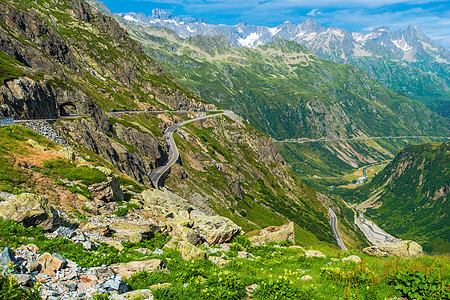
[405, 60]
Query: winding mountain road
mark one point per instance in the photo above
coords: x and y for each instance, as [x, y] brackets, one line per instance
[333, 223]
[174, 154]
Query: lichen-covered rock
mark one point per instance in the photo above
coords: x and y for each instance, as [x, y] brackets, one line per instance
[274, 234]
[188, 222]
[125, 270]
[218, 260]
[401, 249]
[214, 229]
[130, 231]
[109, 191]
[189, 251]
[314, 253]
[101, 229]
[36, 145]
[31, 210]
[134, 295]
[71, 154]
[352, 258]
[182, 227]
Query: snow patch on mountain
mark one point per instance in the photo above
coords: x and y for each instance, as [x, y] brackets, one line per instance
[249, 40]
[362, 38]
[189, 29]
[273, 31]
[402, 45]
[130, 18]
[335, 32]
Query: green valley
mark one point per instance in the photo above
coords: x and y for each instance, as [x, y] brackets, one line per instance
[409, 197]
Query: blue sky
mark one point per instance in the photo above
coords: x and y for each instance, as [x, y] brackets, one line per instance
[433, 17]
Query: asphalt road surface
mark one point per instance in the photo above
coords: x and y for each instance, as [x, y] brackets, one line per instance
[174, 154]
[333, 222]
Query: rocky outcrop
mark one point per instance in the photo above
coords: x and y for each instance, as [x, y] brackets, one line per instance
[109, 191]
[124, 230]
[214, 229]
[189, 251]
[24, 98]
[401, 248]
[187, 221]
[274, 234]
[92, 135]
[31, 210]
[125, 270]
[146, 144]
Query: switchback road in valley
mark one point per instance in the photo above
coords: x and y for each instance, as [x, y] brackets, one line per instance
[333, 222]
[155, 176]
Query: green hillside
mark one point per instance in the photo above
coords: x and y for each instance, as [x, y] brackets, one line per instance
[409, 197]
[288, 93]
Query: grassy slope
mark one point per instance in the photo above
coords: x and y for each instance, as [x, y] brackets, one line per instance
[268, 187]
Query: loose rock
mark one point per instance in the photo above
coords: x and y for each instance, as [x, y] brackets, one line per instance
[274, 234]
[125, 270]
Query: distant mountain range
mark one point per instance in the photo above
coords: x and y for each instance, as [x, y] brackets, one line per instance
[405, 60]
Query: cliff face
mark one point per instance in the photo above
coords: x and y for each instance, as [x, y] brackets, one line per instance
[410, 197]
[60, 54]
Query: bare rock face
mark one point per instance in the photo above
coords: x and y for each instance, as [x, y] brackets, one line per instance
[125, 270]
[31, 210]
[109, 191]
[401, 249]
[24, 98]
[274, 234]
[178, 171]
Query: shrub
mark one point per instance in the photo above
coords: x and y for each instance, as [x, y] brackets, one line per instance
[65, 168]
[420, 286]
[144, 279]
[283, 288]
[10, 289]
[242, 241]
[350, 275]
[98, 296]
[123, 211]
[157, 240]
[223, 285]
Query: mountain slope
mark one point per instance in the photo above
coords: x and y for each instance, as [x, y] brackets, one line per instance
[406, 60]
[287, 92]
[410, 197]
[65, 56]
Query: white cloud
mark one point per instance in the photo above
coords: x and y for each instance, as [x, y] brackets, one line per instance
[314, 12]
